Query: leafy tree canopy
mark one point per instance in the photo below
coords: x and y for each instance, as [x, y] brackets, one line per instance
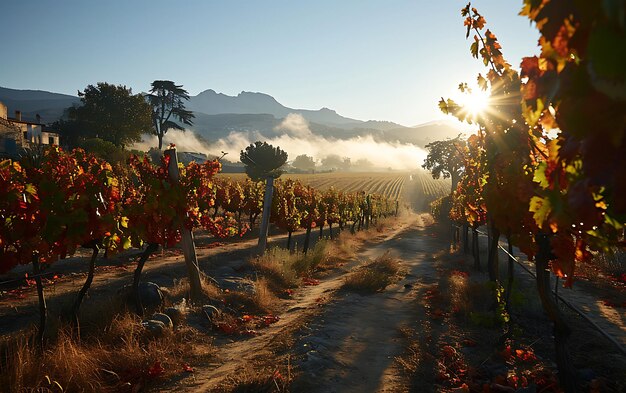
[167, 101]
[334, 162]
[445, 159]
[263, 160]
[304, 163]
[111, 113]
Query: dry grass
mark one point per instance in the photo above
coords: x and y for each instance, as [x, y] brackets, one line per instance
[375, 276]
[461, 295]
[263, 296]
[411, 360]
[275, 266]
[180, 289]
[261, 301]
[119, 359]
[270, 380]
[282, 269]
[342, 248]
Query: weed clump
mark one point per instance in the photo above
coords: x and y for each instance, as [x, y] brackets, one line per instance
[375, 276]
[282, 269]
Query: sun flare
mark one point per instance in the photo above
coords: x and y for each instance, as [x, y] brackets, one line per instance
[474, 102]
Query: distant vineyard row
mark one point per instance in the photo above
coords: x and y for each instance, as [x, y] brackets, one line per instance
[394, 186]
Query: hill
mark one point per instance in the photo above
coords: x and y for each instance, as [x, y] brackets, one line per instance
[217, 115]
[49, 106]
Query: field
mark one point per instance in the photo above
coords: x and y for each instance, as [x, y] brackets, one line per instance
[416, 189]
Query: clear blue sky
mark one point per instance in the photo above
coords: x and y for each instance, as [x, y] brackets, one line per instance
[366, 59]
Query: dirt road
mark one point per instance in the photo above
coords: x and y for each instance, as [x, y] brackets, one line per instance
[353, 345]
[337, 340]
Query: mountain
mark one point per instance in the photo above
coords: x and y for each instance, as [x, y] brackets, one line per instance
[213, 103]
[213, 127]
[49, 106]
[217, 115]
[423, 134]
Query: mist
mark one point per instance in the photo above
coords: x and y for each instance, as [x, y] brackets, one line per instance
[294, 136]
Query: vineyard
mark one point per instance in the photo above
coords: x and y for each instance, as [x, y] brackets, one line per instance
[498, 266]
[417, 189]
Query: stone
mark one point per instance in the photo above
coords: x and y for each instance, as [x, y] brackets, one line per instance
[167, 321]
[150, 294]
[154, 329]
[234, 283]
[211, 311]
[175, 314]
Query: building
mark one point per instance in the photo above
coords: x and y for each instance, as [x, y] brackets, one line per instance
[16, 134]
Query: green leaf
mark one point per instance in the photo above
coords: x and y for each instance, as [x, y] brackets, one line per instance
[474, 49]
[443, 106]
[540, 175]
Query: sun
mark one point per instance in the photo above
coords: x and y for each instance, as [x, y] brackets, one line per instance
[475, 102]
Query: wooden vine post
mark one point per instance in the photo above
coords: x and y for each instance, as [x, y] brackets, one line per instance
[43, 309]
[187, 242]
[265, 219]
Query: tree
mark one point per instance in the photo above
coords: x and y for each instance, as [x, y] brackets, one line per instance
[334, 163]
[264, 161]
[304, 163]
[166, 99]
[445, 159]
[111, 113]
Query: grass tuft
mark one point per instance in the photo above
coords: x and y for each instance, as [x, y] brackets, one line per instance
[375, 276]
[282, 269]
[119, 359]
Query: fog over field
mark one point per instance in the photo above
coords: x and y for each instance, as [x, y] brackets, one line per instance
[294, 136]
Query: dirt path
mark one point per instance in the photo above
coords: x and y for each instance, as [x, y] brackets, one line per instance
[340, 341]
[353, 345]
[309, 303]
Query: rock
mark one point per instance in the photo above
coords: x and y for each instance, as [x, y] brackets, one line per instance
[167, 321]
[234, 283]
[240, 266]
[175, 314]
[149, 293]
[154, 329]
[211, 311]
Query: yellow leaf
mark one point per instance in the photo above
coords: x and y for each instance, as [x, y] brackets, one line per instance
[541, 208]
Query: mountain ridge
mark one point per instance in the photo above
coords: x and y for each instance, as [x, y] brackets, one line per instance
[218, 114]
